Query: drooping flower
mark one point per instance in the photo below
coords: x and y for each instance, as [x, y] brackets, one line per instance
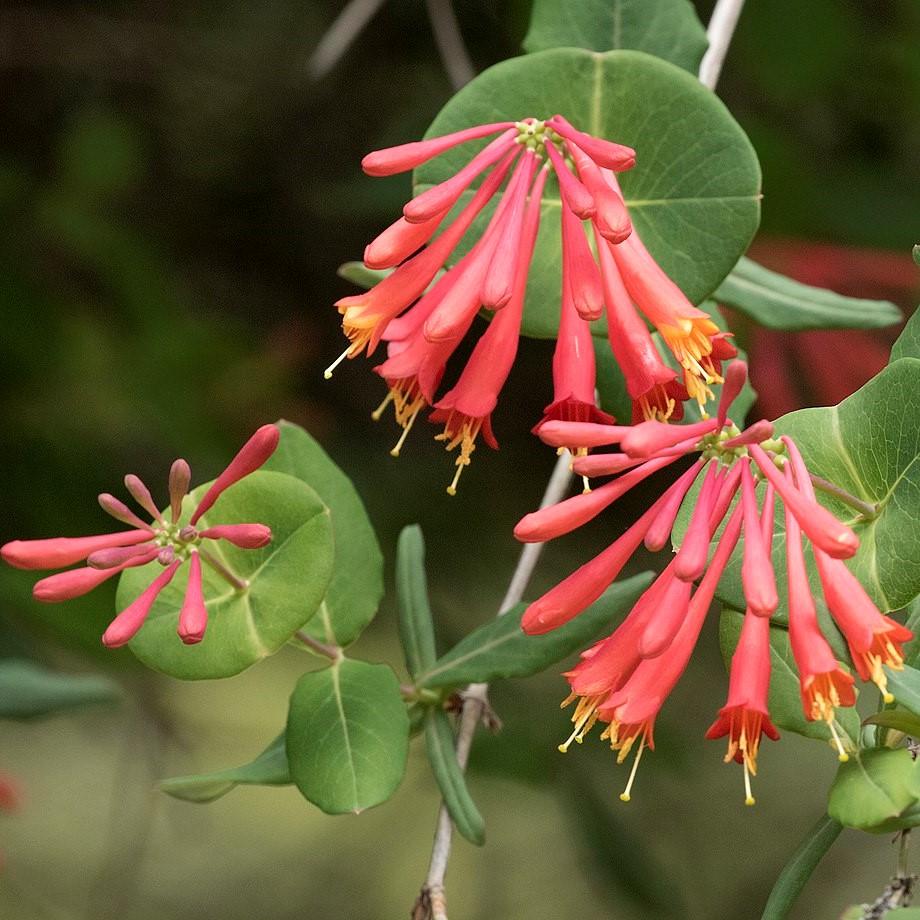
[423, 316]
[623, 680]
[164, 539]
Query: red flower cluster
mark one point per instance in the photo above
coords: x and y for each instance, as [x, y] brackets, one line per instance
[623, 680]
[164, 539]
[423, 323]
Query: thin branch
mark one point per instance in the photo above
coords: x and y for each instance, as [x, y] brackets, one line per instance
[239, 583]
[474, 700]
[333, 652]
[348, 25]
[720, 32]
[447, 35]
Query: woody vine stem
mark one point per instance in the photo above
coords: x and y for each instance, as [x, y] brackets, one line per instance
[432, 902]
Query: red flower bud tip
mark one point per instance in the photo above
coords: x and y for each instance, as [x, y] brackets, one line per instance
[586, 434]
[180, 477]
[745, 716]
[648, 438]
[617, 157]
[690, 561]
[579, 265]
[108, 558]
[251, 456]
[127, 624]
[575, 195]
[366, 316]
[442, 197]
[660, 530]
[245, 536]
[399, 241]
[58, 552]
[735, 378]
[757, 576]
[663, 628]
[193, 618]
[754, 434]
[823, 683]
[65, 586]
[141, 494]
[393, 160]
[504, 267]
[819, 524]
[604, 464]
[120, 511]
[611, 217]
[564, 517]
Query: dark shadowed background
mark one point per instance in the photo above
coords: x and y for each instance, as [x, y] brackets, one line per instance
[176, 192]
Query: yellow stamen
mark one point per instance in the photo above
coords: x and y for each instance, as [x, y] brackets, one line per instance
[625, 794]
[748, 796]
[406, 429]
[378, 412]
[584, 718]
[842, 755]
[465, 436]
[327, 374]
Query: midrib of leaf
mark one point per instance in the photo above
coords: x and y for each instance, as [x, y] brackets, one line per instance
[845, 455]
[617, 38]
[462, 659]
[337, 694]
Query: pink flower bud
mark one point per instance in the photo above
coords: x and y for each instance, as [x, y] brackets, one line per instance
[120, 511]
[442, 197]
[611, 217]
[690, 561]
[58, 552]
[660, 530]
[245, 536]
[648, 438]
[757, 576]
[399, 241]
[585, 434]
[754, 434]
[250, 457]
[126, 625]
[180, 477]
[819, 524]
[617, 157]
[141, 494]
[603, 464]
[664, 626]
[193, 618]
[576, 196]
[580, 267]
[393, 160]
[108, 558]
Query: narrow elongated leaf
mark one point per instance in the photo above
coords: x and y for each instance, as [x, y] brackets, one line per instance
[270, 768]
[357, 576]
[287, 581]
[439, 742]
[872, 791]
[669, 29]
[347, 736]
[799, 869]
[500, 648]
[778, 302]
[785, 697]
[416, 628]
[899, 719]
[358, 273]
[30, 691]
[694, 195]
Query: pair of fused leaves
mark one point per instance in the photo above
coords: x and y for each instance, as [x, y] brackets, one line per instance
[346, 740]
[322, 571]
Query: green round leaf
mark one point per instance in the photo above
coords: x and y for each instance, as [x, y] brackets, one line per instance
[347, 736]
[287, 580]
[357, 576]
[669, 29]
[694, 195]
[874, 790]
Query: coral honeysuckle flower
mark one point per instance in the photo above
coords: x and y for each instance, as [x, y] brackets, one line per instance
[424, 317]
[623, 680]
[164, 539]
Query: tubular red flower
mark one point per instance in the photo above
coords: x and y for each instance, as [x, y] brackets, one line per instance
[819, 524]
[107, 558]
[245, 536]
[690, 561]
[735, 378]
[126, 625]
[559, 433]
[57, 552]
[649, 437]
[193, 617]
[660, 530]
[65, 586]
[662, 629]
[253, 454]
[573, 192]
[442, 197]
[399, 241]
[757, 576]
[611, 217]
[617, 157]
[578, 263]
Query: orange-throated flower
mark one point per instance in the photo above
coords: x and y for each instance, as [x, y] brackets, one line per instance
[623, 680]
[423, 312]
[165, 539]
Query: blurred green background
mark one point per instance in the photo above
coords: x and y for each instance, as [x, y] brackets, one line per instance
[176, 191]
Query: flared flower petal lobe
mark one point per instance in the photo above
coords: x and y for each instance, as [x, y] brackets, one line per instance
[617, 157]
[403, 157]
[819, 524]
[245, 536]
[757, 576]
[57, 552]
[251, 456]
[180, 478]
[441, 198]
[126, 625]
[193, 617]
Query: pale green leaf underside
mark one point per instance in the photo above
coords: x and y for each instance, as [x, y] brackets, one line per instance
[30, 691]
[287, 580]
